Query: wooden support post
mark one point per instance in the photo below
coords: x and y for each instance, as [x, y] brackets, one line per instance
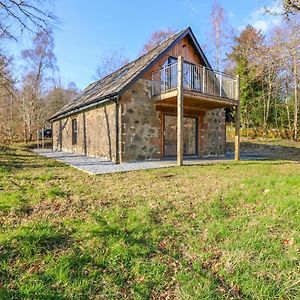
[60, 135]
[199, 140]
[52, 136]
[38, 138]
[84, 133]
[162, 134]
[180, 111]
[237, 122]
[117, 133]
[43, 137]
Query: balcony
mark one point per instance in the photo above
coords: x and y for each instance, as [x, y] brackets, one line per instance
[202, 87]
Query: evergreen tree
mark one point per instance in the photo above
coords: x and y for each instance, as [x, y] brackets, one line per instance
[243, 55]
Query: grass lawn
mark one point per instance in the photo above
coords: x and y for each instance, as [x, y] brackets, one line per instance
[227, 231]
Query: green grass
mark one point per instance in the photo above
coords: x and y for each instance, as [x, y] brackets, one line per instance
[227, 231]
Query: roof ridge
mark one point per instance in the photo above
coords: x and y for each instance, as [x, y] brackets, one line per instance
[160, 43]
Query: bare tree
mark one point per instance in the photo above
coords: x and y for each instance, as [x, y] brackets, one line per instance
[5, 72]
[287, 8]
[29, 15]
[287, 41]
[7, 100]
[291, 6]
[156, 38]
[59, 96]
[111, 62]
[40, 60]
[220, 34]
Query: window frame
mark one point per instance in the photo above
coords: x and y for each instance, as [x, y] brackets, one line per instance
[74, 131]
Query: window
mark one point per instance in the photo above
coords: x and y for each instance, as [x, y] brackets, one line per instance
[190, 136]
[169, 61]
[168, 74]
[74, 131]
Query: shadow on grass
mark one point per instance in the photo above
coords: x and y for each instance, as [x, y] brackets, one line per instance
[136, 236]
[23, 252]
[12, 159]
[33, 240]
[288, 151]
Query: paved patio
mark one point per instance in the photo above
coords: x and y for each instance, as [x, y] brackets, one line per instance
[95, 165]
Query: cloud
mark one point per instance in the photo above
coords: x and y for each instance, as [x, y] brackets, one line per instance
[231, 14]
[264, 18]
[262, 25]
[275, 8]
[190, 4]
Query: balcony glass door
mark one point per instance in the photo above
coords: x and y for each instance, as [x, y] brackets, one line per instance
[189, 136]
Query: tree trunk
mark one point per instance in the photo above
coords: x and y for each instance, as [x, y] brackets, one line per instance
[296, 100]
[11, 132]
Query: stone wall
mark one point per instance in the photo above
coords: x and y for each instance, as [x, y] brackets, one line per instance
[214, 133]
[140, 123]
[96, 133]
[62, 135]
[139, 129]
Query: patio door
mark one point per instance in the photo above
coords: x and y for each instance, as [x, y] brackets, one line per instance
[189, 136]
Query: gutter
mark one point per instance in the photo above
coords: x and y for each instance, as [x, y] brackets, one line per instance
[116, 101]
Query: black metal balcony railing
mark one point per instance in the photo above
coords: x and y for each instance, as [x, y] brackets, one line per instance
[195, 78]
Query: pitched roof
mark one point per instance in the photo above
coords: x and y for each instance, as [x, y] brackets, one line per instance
[115, 83]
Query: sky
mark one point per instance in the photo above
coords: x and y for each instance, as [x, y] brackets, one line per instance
[90, 29]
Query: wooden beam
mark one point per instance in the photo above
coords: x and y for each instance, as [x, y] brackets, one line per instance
[166, 95]
[205, 98]
[84, 133]
[60, 135]
[162, 133]
[117, 107]
[196, 100]
[171, 109]
[237, 123]
[200, 124]
[180, 111]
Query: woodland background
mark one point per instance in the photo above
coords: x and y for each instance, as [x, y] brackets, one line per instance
[268, 65]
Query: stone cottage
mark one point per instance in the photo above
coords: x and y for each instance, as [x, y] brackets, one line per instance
[166, 103]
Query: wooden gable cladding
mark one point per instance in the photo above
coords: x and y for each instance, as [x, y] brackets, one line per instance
[183, 47]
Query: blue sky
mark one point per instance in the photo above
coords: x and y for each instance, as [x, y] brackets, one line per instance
[89, 29]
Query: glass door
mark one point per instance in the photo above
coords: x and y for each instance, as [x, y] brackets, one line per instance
[189, 136]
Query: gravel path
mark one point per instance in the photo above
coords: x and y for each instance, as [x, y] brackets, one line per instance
[95, 165]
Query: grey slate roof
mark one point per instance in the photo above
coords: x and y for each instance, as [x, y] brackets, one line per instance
[116, 82]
